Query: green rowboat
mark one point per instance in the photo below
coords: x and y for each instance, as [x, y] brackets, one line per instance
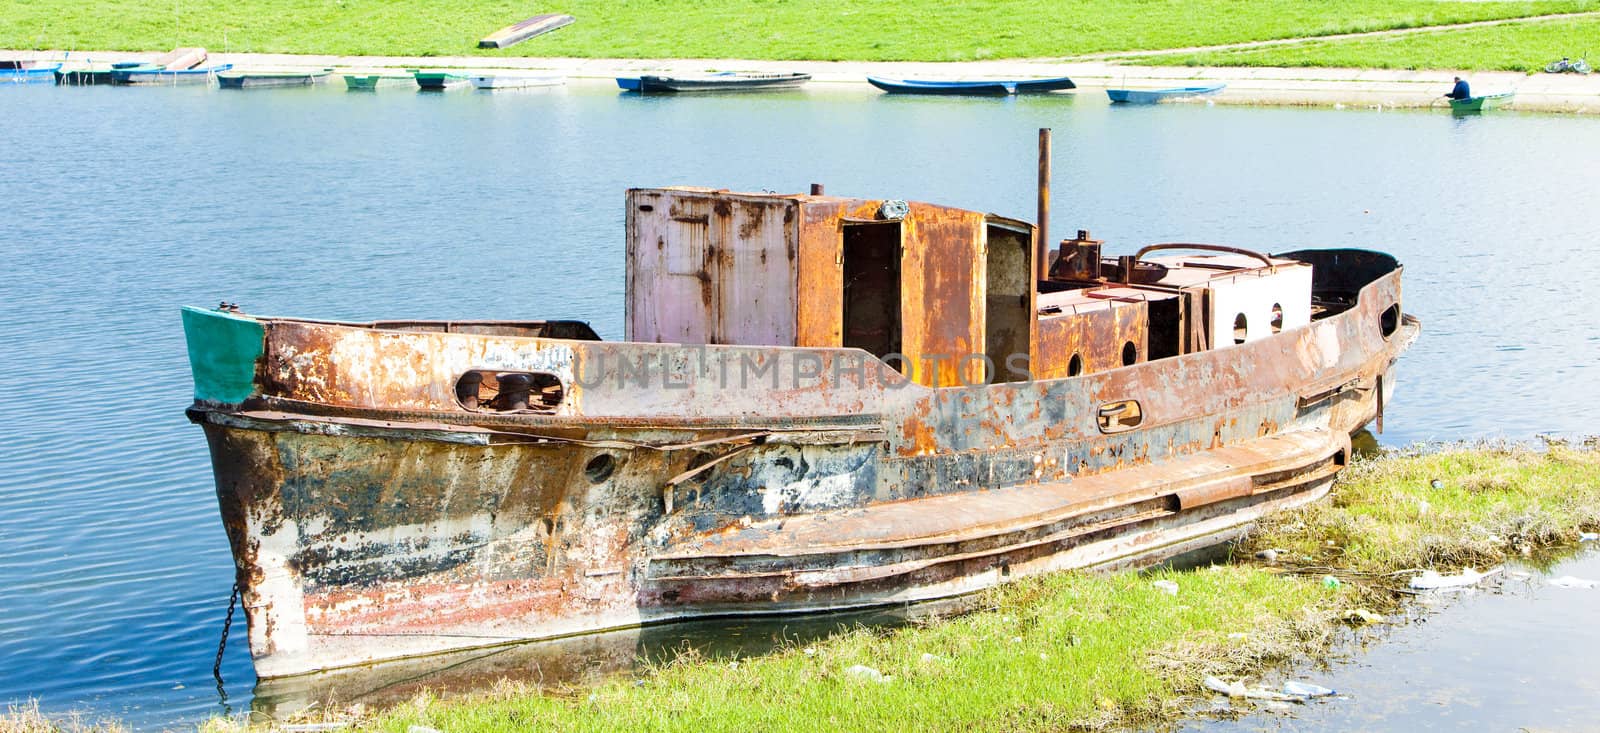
[371, 82]
[439, 80]
[1479, 104]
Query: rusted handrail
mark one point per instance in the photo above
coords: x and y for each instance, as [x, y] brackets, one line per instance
[1206, 247]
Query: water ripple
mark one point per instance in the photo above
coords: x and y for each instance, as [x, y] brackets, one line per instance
[114, 569]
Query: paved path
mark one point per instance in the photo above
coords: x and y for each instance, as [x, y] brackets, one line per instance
[1356, 88]
[1245, 45]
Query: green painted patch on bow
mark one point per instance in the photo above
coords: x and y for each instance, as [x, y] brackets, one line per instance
[223, 350]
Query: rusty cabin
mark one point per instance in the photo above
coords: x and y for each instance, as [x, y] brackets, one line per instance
[946, 296]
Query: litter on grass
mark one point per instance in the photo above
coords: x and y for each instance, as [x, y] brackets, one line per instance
[1432, 580]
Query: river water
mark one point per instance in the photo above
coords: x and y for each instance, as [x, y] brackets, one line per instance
[123, 204]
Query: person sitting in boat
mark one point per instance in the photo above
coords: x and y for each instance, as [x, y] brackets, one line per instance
[1460, 90]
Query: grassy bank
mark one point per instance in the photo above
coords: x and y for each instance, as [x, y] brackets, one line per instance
[1513, 47]
[1085, 651]
[754, 29]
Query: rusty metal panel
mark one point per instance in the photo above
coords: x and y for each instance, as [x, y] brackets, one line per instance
[1096, 334]
[942, 295]
[711, 268]
[755, 241]
[669, 293]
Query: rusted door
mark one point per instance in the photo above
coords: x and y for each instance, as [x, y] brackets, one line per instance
[871, 255]
[1008, 300]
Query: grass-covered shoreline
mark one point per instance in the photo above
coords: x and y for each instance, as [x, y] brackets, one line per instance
[860, 30]
[1084, 651]
[1523, 47]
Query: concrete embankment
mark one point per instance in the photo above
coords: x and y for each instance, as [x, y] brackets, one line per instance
[1367, 88]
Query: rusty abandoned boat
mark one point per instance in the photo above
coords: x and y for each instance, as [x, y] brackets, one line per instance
[822, 403]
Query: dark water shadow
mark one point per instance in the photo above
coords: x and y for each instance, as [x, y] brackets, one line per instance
[575, 661]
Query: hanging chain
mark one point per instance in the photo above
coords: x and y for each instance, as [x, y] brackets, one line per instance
[227, 623]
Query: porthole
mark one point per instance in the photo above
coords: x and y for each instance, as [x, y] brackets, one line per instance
[600, 468]
[483, 390]
[1389, 322]
[1241, 328]
[1130, 354]
[1075, 366]
[1277, 318]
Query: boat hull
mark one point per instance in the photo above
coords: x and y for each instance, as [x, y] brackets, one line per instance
[38, 74]
[373, 82]
[371, 519]
[975, 88]
[1479, 104]
[230, 80]
[83, 77]
[166, 77]
[721, 83]
[434, 81]
[538, 25]
[515, 82]
[1156, 96]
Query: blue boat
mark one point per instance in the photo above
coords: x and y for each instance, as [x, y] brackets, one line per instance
[141, 75]
[1152, 96]
[997, 87]
[43, 74]
[721, 81]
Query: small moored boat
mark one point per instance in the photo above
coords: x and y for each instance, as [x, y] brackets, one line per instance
[27, 72]
[723, 81]
[439, 80]
[252, 79]
[85, 75]
[142, 75]
[1479, 104]
[514, 81]
[997, 87]
[1153, 96]
[373, 82]
[512, 35]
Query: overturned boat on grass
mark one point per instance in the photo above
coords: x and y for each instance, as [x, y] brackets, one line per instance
[821, 403]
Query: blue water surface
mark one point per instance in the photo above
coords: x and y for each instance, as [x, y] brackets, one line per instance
[123, 204]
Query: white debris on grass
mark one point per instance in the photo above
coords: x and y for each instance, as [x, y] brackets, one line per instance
[1305, 689]
[863, 672]
[1432, 580]
[1167, 586]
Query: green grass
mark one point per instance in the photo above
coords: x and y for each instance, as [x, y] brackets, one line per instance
[1492, 503]
[1065, 651]
[1089, 651]
[1512, 47]
[756, 29]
